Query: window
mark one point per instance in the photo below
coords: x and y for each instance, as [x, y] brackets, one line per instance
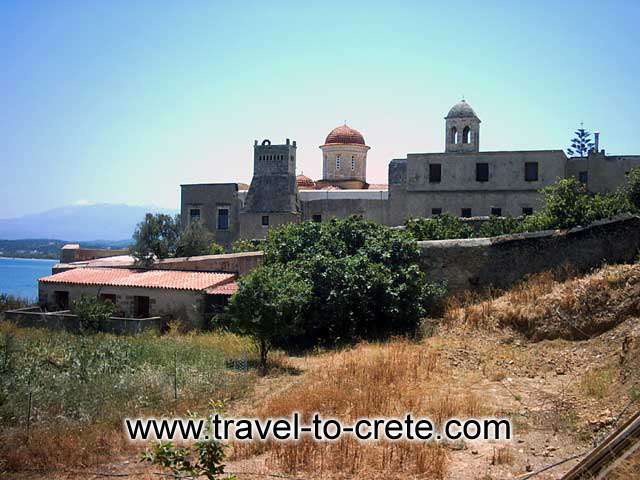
[465, 213]
[531, 171]
[454, 135]
[108, 297]
[436, 211]
[583, 177]
[337, 162]
[317, 218]
[61, 299]
[482, 172]
[496, 211]
[141, 307]
[194, 215]
[265, 220]
[353, 162]
[466, 135]
[527, 211]
[223, 219]
[435, 173]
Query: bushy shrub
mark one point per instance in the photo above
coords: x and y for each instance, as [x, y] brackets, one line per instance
[155, 237]
[499, 226]
[91, 311]
[215, 249]
[632, 189]
[440, 227]
[364, 281]
[195, 240]
[240, 246]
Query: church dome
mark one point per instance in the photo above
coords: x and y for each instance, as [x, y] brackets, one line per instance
[461, 110]
[345, 135]
[304, 182]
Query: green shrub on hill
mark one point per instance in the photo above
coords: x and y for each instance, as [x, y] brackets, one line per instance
[440, 227]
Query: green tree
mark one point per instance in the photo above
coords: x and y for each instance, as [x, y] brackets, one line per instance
[581, 144]
[632, 189]
[155, 238]
[216, 249]
[566, 203]
[440, 227]
[499, 226]
[240, 246]
[268, 307]
[91, 311]
[194, 240]
[365, 278]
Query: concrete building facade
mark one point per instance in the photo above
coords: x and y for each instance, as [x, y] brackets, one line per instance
[461, 181]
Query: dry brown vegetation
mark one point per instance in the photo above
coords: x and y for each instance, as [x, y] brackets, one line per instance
[546, 307]
[560, 394]
[369, 381]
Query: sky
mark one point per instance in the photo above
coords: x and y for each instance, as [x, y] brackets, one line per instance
[123, 101]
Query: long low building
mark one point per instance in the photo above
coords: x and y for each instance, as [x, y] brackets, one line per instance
[191, 297]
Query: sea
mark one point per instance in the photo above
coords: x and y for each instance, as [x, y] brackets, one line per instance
[19, 276]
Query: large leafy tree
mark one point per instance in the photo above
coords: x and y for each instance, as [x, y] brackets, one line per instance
[269, 305]
[195, 240]
[365, 279]
[581, 144]
[155, 237]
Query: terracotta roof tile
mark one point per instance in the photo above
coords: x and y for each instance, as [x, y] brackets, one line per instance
[126, 277]
[225, 289]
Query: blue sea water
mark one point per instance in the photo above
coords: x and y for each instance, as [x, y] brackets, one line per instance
[19, 276]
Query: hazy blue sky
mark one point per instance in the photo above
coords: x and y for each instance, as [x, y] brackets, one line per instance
[121, 101]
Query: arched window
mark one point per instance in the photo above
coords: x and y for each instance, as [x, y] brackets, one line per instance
[353, 162]
[337, 162]
[466, 135]
[454, 135]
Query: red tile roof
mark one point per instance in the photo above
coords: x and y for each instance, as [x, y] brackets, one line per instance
[125, 277]
[225, 289]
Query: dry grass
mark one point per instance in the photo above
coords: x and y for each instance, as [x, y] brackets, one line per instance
[597, 383]
[369, 381]
[546, 306]
[502, 456]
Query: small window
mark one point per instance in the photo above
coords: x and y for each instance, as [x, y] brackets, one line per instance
[531, 171]
[223, 219]
[108, 297]
[454, 135]
[496, 211]
[482, 172]
[583, 177]
[141, 307]
[353, 162]
[436, 211]
[61, 299]
[265, 220]
[465, 213]
[527, 211]
[466, 135]
[337, 162]
[317, 218]
[435, 173]
[194, 214]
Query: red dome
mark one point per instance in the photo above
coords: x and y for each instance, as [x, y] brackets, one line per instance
[304, 182]
[345, 135]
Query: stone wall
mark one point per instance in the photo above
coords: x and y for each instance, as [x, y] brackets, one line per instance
[475, 264]
[240, 263]
[73, 253]
[33, 317]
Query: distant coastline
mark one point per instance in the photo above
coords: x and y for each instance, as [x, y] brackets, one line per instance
[50, 259]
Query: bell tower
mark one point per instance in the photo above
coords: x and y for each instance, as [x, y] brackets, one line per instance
[462, 129]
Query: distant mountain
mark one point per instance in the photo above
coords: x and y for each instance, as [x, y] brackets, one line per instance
[79, 223]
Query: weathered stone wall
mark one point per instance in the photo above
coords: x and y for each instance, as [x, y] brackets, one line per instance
[33, 317]
[184, 305]
[240, 263]
[604, 173]
[475, 264]
[73, 253]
